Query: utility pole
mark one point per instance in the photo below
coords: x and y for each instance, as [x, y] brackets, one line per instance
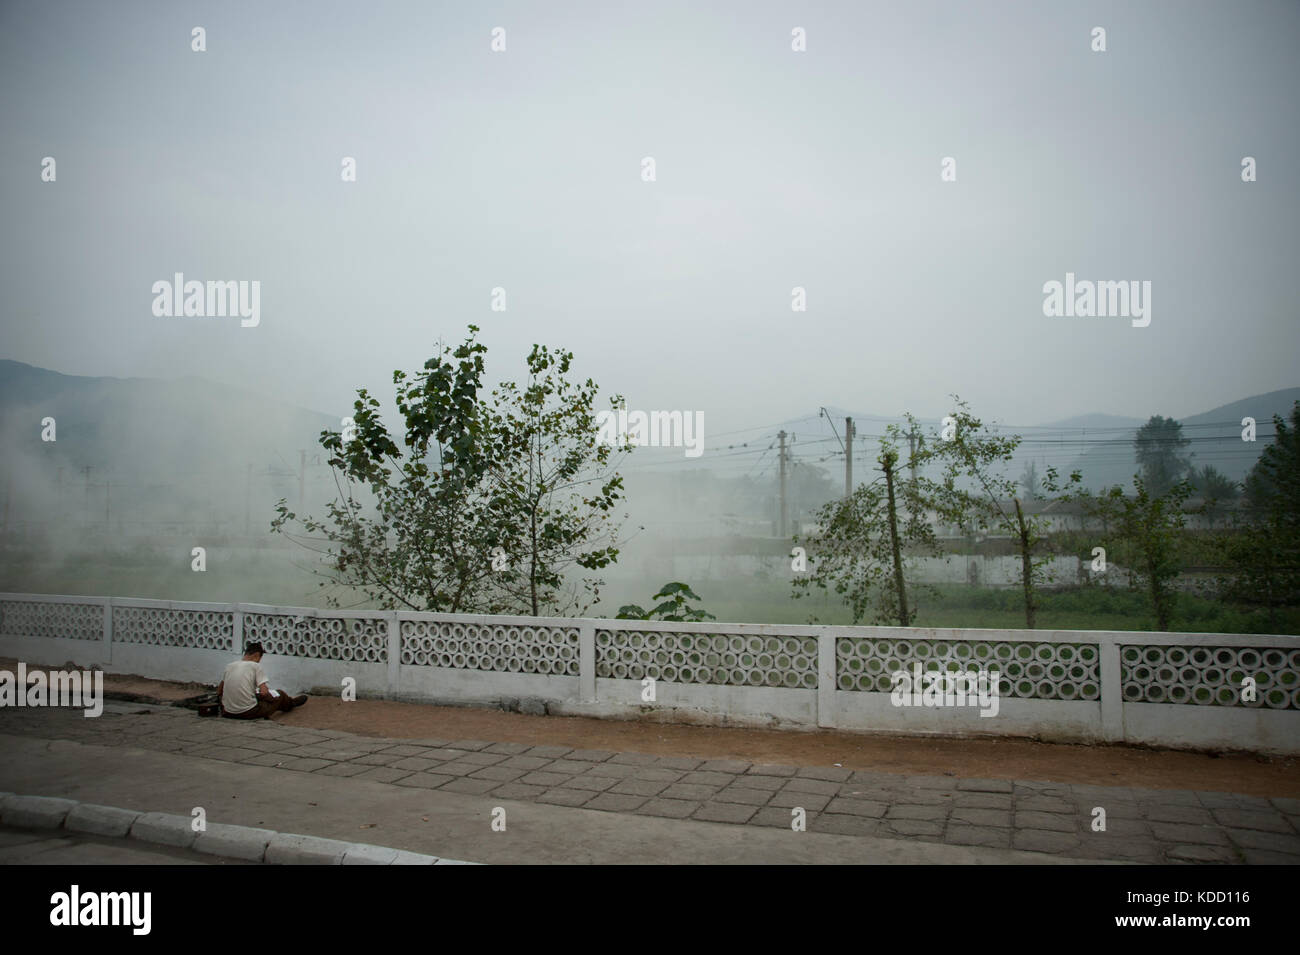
[911, 461]
[848, 458]
[888, 463]
[783, 526]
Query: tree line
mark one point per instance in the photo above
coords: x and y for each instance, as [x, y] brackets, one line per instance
[506, 501]
[861, 549]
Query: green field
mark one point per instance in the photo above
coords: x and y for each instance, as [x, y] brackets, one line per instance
[959, 606]
[283, 578]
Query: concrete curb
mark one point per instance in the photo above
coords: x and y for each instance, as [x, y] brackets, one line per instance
[100, 820]
[35, 812]
[232, 842]
[164, 829]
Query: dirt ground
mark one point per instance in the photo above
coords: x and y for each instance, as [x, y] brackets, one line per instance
[971, 758]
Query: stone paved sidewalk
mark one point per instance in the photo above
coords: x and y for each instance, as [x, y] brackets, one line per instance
[1142, 825]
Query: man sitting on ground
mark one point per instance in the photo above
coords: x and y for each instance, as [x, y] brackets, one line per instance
[244, 693]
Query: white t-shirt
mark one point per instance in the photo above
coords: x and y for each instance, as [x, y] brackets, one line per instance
[241, 678]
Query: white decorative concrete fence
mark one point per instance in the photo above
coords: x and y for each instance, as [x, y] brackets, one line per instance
[1182, 690]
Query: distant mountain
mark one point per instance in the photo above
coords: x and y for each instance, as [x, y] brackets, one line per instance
[171, 449]
[1101, 445]
[144, 424]
[1214, 436]
[1093, 422]
[148, 450]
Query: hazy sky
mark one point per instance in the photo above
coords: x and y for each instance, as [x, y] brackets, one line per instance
[775, 169]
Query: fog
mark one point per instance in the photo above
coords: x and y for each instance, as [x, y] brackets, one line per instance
[866, 224]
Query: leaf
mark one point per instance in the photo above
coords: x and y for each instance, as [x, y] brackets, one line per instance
[674, 588]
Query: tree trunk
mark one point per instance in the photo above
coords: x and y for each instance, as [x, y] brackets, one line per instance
[532, 566]
[1158, 598]
[1026, 569]
[903, 615]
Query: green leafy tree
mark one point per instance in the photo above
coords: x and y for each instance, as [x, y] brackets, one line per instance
[1147, 537]
[674, 608]
[413, 526]
[863, 544]
[979, 494]
[484, 502]
[1215, 489]
[1263, 549]
[1158, 446]
[556, 486]
[1273, 484]
[1212, 484]
[1029, 481]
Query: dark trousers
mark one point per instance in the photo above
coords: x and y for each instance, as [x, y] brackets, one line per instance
[263, 709]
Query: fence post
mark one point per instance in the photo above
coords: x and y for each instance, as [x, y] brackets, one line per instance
[108, 631]
[237, 628]
[587, 661]
[1112, 688]
[826, 679]
[394, 654]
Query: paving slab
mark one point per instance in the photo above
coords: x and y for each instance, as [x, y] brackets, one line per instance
[1177, 834]
[1146, 825]
[1050, 821]
[829, 773]
[963, 834]
[1252, 819]
[1201, 853]
[743, 796]
[1043, 840]
[638, 787]
[842, 825]
[724, 812]
[617, 802]
[822, 787]
[857, 807]
[732, 766]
